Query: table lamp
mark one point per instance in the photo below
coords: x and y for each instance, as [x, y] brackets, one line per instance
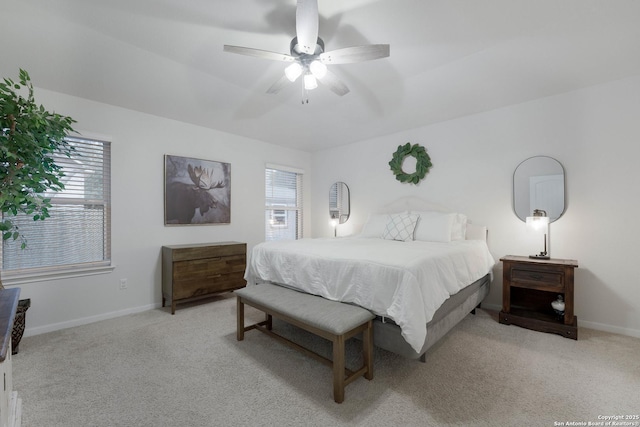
[539, 222]
[334, 223]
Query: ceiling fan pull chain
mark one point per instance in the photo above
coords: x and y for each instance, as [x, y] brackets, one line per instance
[305, 94]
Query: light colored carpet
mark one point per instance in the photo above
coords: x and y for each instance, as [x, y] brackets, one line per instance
[154, 369]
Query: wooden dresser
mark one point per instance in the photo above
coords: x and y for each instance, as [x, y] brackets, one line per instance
[528, 288]
[197, 271]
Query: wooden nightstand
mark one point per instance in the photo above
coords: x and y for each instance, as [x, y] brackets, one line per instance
[528, 288]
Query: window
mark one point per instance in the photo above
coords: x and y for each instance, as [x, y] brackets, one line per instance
[278, 218]
[335, 201]
[77, 235]
[283, 203]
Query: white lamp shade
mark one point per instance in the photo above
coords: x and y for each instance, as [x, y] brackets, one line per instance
[310, 82]
[318, 69]
[537, 223]
[293, 71]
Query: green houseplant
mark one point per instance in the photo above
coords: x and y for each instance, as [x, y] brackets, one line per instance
[29, 137]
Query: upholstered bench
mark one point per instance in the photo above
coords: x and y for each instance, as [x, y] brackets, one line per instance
[332, 320]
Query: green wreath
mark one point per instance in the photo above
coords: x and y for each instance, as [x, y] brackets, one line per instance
[423, 162]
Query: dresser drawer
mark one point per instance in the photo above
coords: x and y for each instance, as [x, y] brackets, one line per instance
[204, 252]
[209, 267]
[189, 288]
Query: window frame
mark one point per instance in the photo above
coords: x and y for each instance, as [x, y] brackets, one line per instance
[273, 207]
[53, 272]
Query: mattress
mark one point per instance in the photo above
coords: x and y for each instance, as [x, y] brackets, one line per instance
[404, 281]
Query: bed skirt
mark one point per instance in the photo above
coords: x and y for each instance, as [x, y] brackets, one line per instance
[387, 334]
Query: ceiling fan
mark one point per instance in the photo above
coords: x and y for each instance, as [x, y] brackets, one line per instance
[307, 56]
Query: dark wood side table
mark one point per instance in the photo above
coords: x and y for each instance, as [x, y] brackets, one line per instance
[530, 285]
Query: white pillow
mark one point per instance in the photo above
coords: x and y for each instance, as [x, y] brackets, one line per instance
[435, 226]
[400, 226]
[459, 228]
[375, 225]
[476, 232]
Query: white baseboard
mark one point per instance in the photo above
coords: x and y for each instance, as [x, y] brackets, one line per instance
[491, 306]
[587, 324]
[86, 320]
[609, 328]
[91, 319]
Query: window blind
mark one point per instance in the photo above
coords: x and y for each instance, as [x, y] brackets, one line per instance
[335, 201]
[283, 204]
[78, 232]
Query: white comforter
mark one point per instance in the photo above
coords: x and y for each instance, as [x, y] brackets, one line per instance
[406, 281]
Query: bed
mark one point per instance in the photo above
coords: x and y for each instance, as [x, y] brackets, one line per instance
[420, 279]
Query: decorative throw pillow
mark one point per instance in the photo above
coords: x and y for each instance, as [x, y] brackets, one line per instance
[400, 227]
[435, 226]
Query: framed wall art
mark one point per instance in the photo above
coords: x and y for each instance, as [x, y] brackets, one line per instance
[196, 191]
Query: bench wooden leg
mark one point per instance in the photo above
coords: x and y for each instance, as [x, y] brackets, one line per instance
[240, 315]
[338, 368]
[269, 321]
[367, 350]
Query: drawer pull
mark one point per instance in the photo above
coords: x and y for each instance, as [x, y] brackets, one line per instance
[536, 277]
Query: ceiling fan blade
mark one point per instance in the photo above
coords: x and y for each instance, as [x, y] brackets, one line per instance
[278, 85]
[334, 84]
[353, 54]
[258, 53]
[307, 25]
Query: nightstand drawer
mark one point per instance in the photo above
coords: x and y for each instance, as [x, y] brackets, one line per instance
[538, 279]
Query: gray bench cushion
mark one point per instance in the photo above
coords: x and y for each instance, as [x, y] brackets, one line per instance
[330, 316]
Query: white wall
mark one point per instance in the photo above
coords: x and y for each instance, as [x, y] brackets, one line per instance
[593, 132]
[139, 143]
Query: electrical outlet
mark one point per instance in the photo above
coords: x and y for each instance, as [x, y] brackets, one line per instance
[123, 284]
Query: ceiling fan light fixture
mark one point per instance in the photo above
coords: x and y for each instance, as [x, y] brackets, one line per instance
[310, 82]
[293, 71]
[318, 69]
[307, 56]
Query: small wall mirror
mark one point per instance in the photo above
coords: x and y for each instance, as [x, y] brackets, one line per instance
[539, 183]
[339, 202]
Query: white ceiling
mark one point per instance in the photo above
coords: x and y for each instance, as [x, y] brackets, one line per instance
[449, 58]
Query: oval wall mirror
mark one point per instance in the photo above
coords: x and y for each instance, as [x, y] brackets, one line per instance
[539, 183]
[339, 202]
